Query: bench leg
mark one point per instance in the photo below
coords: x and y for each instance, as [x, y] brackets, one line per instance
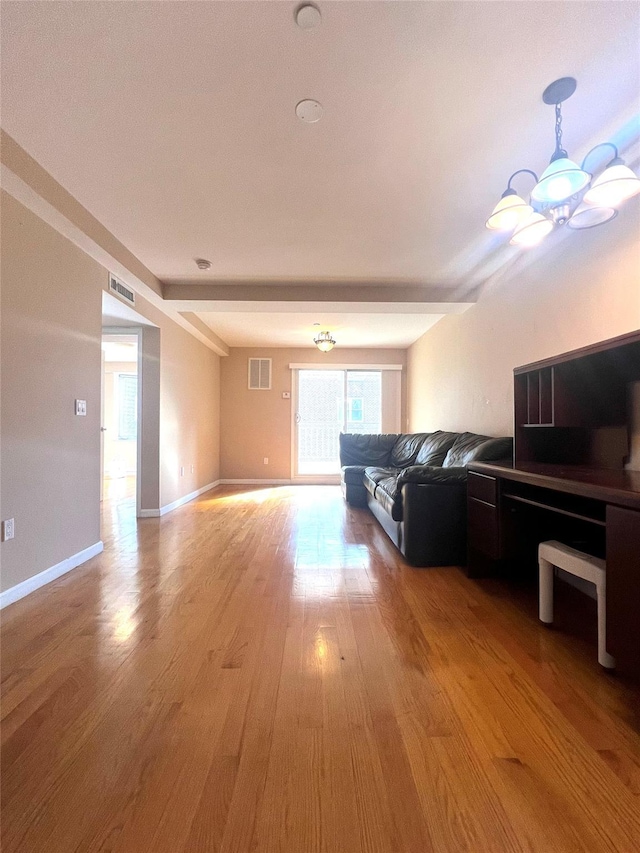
[546, 591]
[604, 658]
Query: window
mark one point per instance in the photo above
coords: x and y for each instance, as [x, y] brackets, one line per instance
[356, 410]
[127, 406]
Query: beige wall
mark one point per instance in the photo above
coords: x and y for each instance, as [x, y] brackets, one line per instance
[255, 424]
[582, 290]
[51, 343]
[51, 336]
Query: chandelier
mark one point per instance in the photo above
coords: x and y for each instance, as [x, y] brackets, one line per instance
[324, 341]
[565, 193]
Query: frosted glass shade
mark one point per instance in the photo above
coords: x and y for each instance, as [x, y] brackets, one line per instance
[560, 180]
[324, 341]
[532, 231]
[613, 186]
[508, 213]
[588, 216]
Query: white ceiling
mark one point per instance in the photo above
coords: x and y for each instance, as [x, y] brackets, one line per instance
[174, 124]
[296, 329]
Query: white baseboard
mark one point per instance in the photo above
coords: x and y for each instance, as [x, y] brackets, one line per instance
[15, 593]
[163, 510]
[308, 481]
[255, 482]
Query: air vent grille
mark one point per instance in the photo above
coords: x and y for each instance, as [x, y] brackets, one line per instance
[259, 374]
[116, 286]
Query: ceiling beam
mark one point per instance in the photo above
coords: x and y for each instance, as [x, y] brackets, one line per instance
[435, 300]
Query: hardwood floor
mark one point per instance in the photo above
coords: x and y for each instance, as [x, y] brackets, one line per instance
[260, 671]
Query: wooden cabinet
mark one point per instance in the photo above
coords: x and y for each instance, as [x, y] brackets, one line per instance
[572, 409]
[623, 588]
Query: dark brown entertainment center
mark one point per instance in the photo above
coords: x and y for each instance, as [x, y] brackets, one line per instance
[568, 481]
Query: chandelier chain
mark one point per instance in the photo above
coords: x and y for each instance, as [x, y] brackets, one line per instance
[558, 127]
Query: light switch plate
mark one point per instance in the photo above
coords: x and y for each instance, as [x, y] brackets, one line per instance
[81, 408]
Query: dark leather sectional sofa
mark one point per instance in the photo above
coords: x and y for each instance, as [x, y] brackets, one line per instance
[416, 486]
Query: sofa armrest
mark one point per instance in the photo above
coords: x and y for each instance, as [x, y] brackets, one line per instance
[431, 475]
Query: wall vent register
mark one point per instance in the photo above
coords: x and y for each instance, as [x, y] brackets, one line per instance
[259, 374]
[121, 290]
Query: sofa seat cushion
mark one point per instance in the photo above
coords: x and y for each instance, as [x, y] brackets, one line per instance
[364, 449]
[382, 483]
[435, 447]
[406, 449]
[373, 476]
[353, 474]
[470, 447]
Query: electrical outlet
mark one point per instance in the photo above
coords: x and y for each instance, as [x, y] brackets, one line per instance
[8, 529]
[266, 460]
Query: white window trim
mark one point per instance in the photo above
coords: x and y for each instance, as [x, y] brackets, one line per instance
[325, 366]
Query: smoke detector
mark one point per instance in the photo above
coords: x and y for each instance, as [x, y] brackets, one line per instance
[203, 264]
[308, 16]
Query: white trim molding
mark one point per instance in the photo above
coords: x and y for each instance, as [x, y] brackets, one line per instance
[325, 365]
[15, 593]
[163, 510]
[330, 480]
[256, 482]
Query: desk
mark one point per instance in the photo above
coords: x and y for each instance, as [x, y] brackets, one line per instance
[512, 509]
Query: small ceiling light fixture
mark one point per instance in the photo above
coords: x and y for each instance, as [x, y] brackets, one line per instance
[309, 110]
[564, 193]
[308, 16]
[324, 341]
[203, 264]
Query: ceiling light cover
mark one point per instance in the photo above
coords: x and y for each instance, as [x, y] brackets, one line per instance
[532, 231]
[308, 17]
[508, 213]
[616, 184]
[324, 341]
[309, 110]
[588, 216]
[560, 180]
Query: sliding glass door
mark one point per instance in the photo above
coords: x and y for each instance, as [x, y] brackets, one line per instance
[329, 402]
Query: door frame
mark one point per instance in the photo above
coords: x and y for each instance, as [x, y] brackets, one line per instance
[130, 331]
[311, 479]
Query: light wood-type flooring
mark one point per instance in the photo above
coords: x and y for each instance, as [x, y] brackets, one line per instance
[260, 671]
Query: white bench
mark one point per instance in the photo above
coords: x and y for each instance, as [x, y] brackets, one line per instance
[581, 565]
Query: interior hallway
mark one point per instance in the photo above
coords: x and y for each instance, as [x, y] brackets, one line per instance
[259, 671]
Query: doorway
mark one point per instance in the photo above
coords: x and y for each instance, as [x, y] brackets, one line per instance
[119, 431]
[328, 402]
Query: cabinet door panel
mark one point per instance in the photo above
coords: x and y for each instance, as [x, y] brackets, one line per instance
[483, 528]
[623, 588]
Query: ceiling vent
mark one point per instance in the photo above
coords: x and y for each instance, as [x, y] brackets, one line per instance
[121, 290]
[259, 374]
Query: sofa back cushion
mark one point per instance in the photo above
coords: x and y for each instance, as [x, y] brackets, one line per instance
[406, 449]
[362, 449]
[435, 447]
[469, 447]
